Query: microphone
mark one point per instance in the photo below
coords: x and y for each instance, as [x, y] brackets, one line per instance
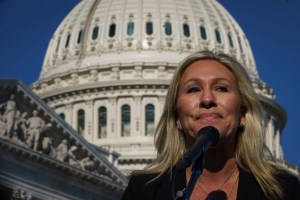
[207, 136]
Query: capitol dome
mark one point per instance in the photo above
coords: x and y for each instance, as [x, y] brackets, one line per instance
[109, 63]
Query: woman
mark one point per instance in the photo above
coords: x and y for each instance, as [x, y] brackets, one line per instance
[211, 89]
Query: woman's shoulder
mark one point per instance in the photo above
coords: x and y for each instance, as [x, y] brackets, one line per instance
[142, 186]
[142, 179]
[287, 177]
[249, 187]
[290, 185]
[153, 186]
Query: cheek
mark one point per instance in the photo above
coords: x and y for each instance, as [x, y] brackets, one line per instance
[186, 106]
[233, 107]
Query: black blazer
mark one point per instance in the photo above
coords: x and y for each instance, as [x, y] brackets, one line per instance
[161, 189]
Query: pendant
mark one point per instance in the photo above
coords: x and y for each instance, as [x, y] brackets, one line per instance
[210, 198]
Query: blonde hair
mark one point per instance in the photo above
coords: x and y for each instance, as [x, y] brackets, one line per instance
[250, 150]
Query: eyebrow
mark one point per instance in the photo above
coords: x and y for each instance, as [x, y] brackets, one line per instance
[217, 79]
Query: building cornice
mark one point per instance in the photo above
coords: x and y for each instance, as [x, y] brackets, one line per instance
[274, 109]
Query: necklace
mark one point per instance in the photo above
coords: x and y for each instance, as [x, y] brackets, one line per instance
[237, 179]
[227, 178]
[210, 196]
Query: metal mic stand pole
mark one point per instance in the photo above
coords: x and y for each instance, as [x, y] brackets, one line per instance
[196, 172]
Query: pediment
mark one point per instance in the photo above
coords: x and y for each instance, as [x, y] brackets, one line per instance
[31, 131]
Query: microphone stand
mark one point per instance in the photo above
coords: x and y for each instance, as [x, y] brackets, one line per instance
[196, 172]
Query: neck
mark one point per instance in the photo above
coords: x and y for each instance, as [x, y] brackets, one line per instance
[217, 174]
[220, 157]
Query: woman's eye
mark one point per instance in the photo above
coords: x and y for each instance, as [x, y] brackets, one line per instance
[193, 90]
[221, 89]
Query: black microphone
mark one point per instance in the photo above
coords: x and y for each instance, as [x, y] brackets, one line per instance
[207, 136]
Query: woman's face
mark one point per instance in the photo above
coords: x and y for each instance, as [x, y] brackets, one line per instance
[208, 96]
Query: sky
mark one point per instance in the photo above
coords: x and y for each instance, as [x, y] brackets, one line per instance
[271, 26]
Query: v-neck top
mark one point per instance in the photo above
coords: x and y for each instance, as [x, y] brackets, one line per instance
[141, 187]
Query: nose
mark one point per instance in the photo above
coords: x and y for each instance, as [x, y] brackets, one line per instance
[207, 99]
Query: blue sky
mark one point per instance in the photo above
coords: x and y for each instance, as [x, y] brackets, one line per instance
[271, 26]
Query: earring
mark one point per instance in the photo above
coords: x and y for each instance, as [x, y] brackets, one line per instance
[242, 125]
[178, 125]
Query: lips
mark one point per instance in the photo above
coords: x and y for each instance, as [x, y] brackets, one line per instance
[209, 116]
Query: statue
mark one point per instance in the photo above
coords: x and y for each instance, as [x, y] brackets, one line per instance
[35, 125]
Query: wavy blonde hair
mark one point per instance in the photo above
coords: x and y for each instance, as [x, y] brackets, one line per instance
[250, 151]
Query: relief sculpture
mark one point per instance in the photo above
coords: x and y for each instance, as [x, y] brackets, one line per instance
[28, 128]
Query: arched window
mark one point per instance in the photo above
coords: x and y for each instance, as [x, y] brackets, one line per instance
[240, 44]
[125, 120]
[62, 115]
[130, 28]
[149, 119]
[112, 30]
[186, 30]
[68, 41]
[80, 121]
[57, 46]
[95, 32]
[230, 40]
[102, 122]
[149, 28]
[203, 32]
[218, 36]
[79, 37]
[168, 28]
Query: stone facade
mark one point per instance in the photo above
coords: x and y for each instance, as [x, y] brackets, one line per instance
[42, 157]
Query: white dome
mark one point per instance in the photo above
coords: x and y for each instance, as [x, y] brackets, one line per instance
[99, 34]
[114, 58]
